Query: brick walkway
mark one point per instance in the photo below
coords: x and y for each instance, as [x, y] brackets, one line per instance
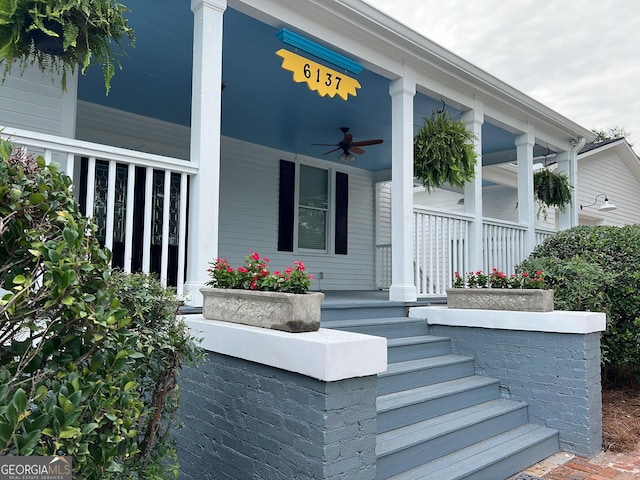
[605, 466]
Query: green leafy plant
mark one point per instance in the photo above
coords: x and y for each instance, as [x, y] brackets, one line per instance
[551, 189]
[497, 279]
[89, 357]
[595, 268]
[256, 275]
[444, 152]
[79, 33]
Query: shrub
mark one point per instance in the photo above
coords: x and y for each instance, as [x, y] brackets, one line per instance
[595, 268]
[78, 368]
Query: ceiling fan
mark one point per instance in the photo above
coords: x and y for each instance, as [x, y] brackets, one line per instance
[348, 146]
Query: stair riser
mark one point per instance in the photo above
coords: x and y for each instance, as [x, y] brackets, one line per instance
[431, 449]
[423, 377]
[390, 330]
[417, 412]
[417, 351]
[329, 313]
[513, 464]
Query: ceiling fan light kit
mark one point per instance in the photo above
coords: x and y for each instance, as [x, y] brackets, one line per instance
[348, 146]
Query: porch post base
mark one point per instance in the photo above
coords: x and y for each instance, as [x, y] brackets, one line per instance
[403, 293]
[192, 294]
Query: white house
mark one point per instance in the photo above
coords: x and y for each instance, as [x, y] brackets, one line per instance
[221, 103]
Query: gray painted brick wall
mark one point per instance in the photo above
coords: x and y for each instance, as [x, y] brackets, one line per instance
[247, 421]
[557, 374]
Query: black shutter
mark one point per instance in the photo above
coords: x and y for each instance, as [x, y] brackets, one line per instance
[286, 205]
[342, 213]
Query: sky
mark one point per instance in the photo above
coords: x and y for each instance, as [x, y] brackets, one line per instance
[579, 57]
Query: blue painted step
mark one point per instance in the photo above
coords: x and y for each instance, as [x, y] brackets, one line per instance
[413, 348]
[413, 445]
[394, 327]
[414, 405]
[426, 371]
[496, 458]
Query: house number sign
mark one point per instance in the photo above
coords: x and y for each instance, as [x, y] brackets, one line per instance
[318, 78]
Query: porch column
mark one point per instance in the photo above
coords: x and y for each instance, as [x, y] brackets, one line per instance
[473, 191]
[526, 203]
[568, 164]
[206, 90]
[402, 91]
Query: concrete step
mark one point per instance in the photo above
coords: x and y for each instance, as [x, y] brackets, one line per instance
[495, 458]
[413, 445]
[403, 408]
[412, 348]
[389, 327]
[421, 372]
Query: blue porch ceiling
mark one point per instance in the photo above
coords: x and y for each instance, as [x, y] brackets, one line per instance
[260, 103]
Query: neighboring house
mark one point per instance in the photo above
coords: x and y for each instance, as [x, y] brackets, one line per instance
[244, 154]
[608, 170]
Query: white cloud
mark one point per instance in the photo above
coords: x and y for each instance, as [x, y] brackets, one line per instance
[578, 57]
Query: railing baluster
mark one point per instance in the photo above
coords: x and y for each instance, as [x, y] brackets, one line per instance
[91, 186]
[166, 204]
[111, 204]
[148, 224]
[182, 234]
[128, 229]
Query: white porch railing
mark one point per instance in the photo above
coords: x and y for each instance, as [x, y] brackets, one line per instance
[137, 200]
[441, 249]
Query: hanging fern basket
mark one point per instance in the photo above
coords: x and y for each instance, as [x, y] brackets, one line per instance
[444, 152]
[552, 189]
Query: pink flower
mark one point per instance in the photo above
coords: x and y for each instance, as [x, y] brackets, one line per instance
[255, 256]
[230, 270]
[288, 270]
[242, 270]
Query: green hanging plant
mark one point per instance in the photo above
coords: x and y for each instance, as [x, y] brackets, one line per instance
[552, 189]
[444, 151]
[59, 35]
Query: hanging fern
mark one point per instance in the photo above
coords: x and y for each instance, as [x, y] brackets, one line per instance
[552, 189]
[91, 32]
[444, 151]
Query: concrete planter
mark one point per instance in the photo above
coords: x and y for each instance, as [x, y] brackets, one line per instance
[527, 300]
[288, 312]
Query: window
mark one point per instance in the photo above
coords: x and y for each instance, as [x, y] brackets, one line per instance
[319, 205]
[313, 208]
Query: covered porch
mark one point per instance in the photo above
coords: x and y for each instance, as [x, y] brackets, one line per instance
[175, 180]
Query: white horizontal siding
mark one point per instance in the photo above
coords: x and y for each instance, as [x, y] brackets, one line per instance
[35, 101]
[109, 126]
[609, 174]
[249, 213]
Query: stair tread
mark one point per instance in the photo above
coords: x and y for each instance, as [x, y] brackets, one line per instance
[411, 396]
[343, 323]
[459, 464]
[423, 363]
[415, 340]
[426, 430]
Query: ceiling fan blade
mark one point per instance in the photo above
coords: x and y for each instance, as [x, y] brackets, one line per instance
[367, 142]
[354, 149]
[331, 151]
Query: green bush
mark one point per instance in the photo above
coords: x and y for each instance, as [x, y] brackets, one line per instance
[80, 372]
[595, 269]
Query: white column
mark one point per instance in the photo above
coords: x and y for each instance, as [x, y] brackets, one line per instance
[526, 202]
[568, 164]
[205, 143]
[402, 92]
[473, 191]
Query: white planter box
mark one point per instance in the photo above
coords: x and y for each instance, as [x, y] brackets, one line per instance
[288, 312]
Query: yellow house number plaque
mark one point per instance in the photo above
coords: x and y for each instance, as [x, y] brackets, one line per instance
[318, 77]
